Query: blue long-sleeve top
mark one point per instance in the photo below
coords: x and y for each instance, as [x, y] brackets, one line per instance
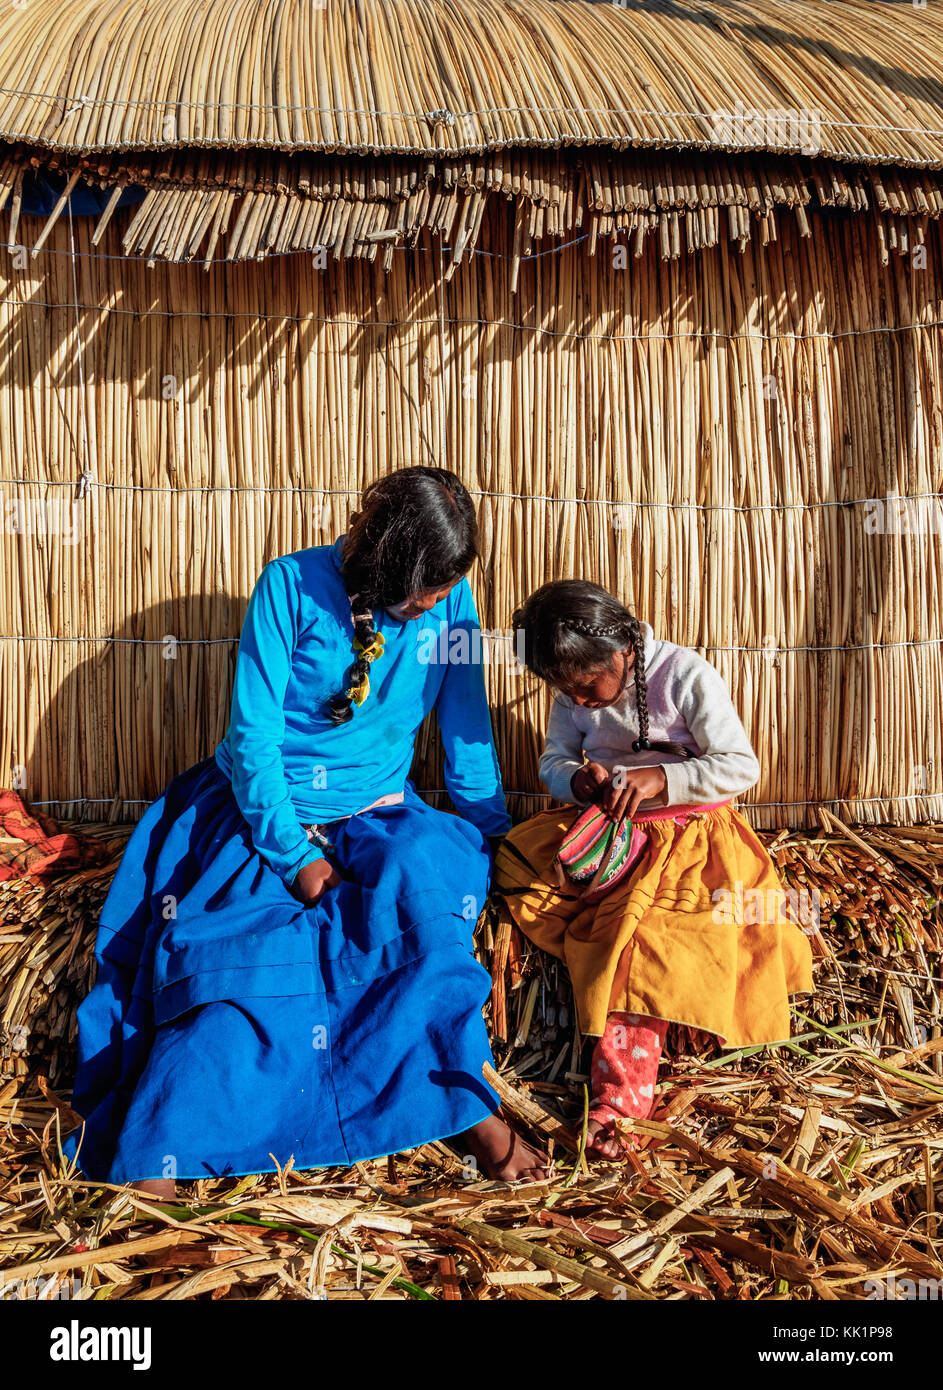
[290, 766]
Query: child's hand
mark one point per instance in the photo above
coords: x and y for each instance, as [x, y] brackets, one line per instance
[589, 782]
[312, 880]
[630, 786]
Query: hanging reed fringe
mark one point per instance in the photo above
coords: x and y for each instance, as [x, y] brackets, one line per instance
[805, 1170]
[227, 205]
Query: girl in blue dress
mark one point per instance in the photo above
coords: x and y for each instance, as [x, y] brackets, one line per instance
[285, 965]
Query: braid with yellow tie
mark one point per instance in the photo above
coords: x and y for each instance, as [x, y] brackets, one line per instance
[368, 644]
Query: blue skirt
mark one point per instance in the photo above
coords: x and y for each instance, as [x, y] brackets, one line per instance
[230, 1028]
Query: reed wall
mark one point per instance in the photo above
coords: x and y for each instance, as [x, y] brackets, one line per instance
[706, 436]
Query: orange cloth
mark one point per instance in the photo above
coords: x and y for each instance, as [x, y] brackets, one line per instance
[36, 847]
[659, 943]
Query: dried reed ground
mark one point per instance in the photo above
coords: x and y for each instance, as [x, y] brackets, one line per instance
[794, 1172]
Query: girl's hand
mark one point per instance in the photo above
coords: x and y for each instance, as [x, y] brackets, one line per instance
[629, 787]
[589, 782]
[312, 881]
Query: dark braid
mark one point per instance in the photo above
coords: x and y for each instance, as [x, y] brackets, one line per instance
[637, 638]
[416, 530]
[340, 707]
[570, 627]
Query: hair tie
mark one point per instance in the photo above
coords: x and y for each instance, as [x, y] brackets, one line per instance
[367, 645]
[367, 652]
[641, 745]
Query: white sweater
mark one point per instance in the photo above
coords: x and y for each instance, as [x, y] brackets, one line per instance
[688, 703]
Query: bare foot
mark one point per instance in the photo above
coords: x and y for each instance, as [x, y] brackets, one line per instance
[604, 1141]
[165, 1188]
[503, 1154]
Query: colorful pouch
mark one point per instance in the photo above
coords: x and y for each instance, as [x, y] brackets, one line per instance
[597, 853]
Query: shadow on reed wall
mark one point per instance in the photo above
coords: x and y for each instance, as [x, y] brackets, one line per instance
[136, 710]
[155, 700]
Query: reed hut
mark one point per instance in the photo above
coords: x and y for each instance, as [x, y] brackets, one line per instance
[661, 281]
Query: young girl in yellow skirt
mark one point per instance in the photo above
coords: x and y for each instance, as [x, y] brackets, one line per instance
[647, 729]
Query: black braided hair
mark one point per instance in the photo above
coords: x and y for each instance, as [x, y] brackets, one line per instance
[340, 707]
[637, 638]
[416, 529]
[571, 628]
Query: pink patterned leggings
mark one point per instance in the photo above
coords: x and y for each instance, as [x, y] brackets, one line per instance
[625, 1067]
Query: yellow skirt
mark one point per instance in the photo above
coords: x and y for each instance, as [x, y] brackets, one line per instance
[696, 933]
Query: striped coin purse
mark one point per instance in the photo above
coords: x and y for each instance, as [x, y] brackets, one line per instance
[597, 852]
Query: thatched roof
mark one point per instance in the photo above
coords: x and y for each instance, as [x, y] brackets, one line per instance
[600, 117]
[425, 77]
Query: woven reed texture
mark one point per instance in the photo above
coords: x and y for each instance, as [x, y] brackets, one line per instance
[701, 435]
[425, 77]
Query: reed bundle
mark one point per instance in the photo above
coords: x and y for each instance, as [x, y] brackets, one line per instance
[47, 943]
[807, 1170]
[362, 75]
